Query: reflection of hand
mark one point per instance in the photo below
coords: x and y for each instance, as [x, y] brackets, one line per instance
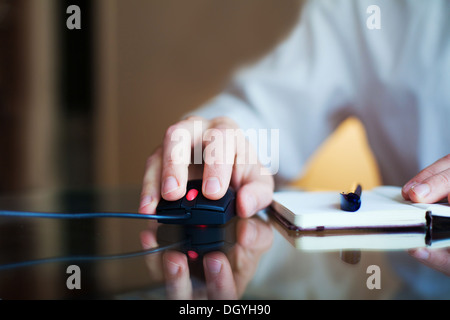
[438, 259]
[226, 276]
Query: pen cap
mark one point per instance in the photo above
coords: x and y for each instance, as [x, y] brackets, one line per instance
[350, 202]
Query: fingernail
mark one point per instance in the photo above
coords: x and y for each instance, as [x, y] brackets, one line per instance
[146, 200]
[213, 265]
[145, 206]
[212, 186]
[172, 267]
[251, 204]
[169, 185]
[421, 254]
[408, 186]
[421, 190]
[250, 233]
[148, 239]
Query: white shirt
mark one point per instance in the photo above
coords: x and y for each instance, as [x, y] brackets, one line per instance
[396, 80]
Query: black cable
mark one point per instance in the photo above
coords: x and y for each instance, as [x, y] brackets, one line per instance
[89, 215]
[7, 213]
[90, 258]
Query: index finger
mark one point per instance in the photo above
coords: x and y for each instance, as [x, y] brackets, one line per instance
[432, 170]
[178, 142]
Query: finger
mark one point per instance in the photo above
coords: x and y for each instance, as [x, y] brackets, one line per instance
[436, 259]
[153, 262]
[254, 237]
[435, 168]
[432, 189]
[148, 240]
[219, 279]
[255, 183]
[219, 155]
[178, 142]
[254, 196]
[176, 273]
[151, 187]
[254, 234]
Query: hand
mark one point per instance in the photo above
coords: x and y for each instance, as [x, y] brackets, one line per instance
[226, 275]
[226, 161]
[431, 185]
[438, 259]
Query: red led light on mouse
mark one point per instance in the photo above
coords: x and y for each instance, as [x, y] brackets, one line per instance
[192, 194]
[192, 255]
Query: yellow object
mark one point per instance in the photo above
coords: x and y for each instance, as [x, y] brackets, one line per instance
[343, 159]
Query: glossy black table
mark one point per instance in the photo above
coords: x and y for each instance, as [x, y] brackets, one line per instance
[117, 258]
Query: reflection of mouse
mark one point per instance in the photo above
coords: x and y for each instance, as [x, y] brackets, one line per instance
[203, 211]
[196, 241]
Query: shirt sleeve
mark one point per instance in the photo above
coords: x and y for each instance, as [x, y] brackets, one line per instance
[294, 97]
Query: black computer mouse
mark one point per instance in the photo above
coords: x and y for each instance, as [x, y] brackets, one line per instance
[202, 210]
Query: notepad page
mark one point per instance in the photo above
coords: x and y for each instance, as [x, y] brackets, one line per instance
[310, 210]
[394, 193]
[395, 241]
[437, 209]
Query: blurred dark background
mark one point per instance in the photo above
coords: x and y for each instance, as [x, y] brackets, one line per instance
[87, 107]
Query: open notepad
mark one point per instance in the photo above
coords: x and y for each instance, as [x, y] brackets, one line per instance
[381, 207]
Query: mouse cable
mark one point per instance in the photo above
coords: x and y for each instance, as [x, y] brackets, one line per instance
[90, 215]
[81, 258]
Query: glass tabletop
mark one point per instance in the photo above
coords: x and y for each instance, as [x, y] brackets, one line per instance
[255, 258]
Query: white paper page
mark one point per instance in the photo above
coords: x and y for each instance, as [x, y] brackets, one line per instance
[384, 207]
[394, 241]
[437, 209]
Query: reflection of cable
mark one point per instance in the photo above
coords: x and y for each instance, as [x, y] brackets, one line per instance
[92, 215]
[90, 258]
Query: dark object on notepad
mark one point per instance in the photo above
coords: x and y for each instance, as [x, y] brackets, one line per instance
[203, 211]
[351, 201]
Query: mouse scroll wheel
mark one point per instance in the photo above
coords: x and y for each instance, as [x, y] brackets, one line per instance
[192, 194]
